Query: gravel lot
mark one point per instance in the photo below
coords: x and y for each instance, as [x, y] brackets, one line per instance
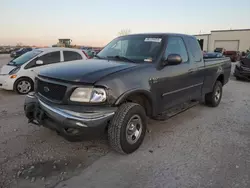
[29, 153]
[202, 147]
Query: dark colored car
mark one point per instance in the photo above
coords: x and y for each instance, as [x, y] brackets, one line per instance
[234, 55]
[19, 52]
[210, 55]
[242, 70]
[134, 76]
[243, 55]
[220, 50]
[13, 53]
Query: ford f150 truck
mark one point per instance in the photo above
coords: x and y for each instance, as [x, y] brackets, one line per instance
[132, 78]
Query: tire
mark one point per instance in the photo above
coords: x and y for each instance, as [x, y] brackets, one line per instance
[120, 135]
[28, 82]
[213, 99]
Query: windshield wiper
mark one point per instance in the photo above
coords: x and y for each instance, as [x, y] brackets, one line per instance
[121, 58]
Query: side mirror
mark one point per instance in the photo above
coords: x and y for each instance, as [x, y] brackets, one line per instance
[173, 59]
[39, 62]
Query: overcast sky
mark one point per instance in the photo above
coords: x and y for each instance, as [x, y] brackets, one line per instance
[96, 22]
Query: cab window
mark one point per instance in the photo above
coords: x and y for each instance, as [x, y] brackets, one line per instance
[49, 58]
[195, 49]
[71, 56]
[176, 46]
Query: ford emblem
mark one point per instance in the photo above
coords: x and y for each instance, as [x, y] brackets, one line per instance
[46, 89]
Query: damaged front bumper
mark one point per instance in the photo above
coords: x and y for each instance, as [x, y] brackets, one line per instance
[72, 122]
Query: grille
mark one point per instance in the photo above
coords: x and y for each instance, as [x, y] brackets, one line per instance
[50, 90]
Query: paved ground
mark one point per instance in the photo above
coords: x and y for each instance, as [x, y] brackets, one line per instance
[202, 147]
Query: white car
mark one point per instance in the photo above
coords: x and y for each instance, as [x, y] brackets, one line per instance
[19, 74]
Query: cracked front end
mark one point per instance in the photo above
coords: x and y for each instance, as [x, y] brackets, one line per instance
[71, 121]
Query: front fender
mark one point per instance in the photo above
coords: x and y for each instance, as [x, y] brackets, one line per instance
[125, 95]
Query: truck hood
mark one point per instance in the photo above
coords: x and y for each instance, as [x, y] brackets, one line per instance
[6, 69]
[88, 71]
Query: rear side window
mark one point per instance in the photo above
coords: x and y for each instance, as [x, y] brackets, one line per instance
[195, 49]
[71, 56]
[49, 58]
[176, 46]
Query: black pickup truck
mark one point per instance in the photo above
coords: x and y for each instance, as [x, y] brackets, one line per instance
[132, 78]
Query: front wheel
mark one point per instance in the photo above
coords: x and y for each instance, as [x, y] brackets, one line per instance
[213, 99]
[127, 128]
[23, 86]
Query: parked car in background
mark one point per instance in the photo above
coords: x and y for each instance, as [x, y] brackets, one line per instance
[220, 50]
[1, 50]
[19, 74]
[242, 69]
[210, 55]
[88, 53]
[154, 75]
[20, 52]
[5, 50]
[13, 53]
[98, 50]
[85, 48]
[14, 49]
[234, 55]
[243, 55]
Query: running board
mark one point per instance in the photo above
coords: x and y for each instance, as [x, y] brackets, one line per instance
[176, 110]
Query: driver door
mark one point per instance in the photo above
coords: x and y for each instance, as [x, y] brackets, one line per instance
[174, 81]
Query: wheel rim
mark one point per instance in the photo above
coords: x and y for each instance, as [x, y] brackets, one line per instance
[23, 86]
[134, 129]
[217, 95]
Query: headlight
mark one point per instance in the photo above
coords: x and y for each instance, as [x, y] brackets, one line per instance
[92, 95]
[14, 71]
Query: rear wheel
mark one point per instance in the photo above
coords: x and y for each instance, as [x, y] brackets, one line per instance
[127, 129]
[213, 99]
[23, 86]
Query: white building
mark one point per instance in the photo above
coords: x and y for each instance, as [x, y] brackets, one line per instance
[236, 40]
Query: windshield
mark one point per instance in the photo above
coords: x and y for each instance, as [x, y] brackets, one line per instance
[24, 58]
[142, 48]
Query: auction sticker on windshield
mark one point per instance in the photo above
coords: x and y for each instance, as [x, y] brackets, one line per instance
[152, 40]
